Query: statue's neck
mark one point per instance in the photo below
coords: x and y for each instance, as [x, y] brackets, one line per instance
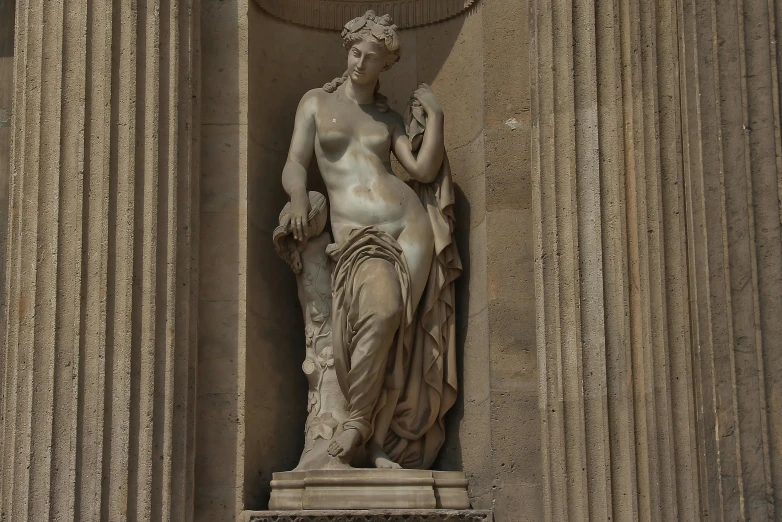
[361, 94]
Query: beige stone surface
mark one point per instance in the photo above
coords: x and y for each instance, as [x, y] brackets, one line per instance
[618, 198]
[655, 249]
[733, 188]
[223, 315]
[7, 17]
[332, 14]
[99, 389]
[513, 480]
[368, 489]
[616, 440]
[276, 386]
[379, 515]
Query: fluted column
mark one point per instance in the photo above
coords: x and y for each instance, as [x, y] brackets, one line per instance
[98, 399]
[6, 102]
[615, 377]
[733, 172]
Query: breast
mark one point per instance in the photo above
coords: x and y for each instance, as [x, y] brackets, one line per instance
[334, 141]
[336, 134]
[378, 140]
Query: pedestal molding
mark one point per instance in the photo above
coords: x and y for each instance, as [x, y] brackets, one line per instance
[375, 515]
[368, 489]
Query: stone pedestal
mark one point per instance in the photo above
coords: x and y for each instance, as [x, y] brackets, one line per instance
[369, 489]
[374, 515]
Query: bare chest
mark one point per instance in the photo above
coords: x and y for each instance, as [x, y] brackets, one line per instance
[340, 128]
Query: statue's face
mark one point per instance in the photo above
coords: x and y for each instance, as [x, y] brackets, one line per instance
[366, 60]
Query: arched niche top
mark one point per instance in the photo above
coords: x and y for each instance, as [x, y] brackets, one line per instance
[333, 14]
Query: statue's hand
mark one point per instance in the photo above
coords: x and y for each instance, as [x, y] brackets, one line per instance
[299, 215]
[425, 96]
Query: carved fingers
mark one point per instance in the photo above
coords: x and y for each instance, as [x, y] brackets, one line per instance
[299, 228]
[285, 221]
[299, 217]
[426, 97]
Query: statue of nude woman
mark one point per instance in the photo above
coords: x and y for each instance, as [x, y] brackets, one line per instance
[385, 253]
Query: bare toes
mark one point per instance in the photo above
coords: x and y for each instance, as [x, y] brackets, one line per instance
[388, 464]
[383, 462]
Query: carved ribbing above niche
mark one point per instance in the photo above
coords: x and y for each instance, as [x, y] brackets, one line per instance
[332, 14]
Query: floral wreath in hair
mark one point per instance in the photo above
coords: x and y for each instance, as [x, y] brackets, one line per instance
[382, 29]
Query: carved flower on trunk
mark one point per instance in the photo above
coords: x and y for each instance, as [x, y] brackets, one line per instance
[322, 427]
[326, 357]
[309, 334]
[312, 400]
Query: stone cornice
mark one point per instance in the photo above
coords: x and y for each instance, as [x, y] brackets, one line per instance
[375, 515]
[333, 14]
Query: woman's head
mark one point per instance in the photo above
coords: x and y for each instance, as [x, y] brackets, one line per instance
[373, 46]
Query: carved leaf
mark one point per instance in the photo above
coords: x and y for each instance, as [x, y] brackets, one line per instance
[322, 427]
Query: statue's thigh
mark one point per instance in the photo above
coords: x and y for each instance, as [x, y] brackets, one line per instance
[377, 290]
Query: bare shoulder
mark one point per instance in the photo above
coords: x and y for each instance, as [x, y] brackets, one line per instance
[311, 100]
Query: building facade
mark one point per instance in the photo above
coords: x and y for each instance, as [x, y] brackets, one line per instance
[619, 175]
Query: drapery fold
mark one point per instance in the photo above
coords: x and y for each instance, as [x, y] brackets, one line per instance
[421, 363]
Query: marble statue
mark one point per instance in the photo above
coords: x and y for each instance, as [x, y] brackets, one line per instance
[377, 290]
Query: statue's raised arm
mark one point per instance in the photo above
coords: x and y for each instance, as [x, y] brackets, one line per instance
[421, 159]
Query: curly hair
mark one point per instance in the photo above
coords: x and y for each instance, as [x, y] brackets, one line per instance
[381, 29]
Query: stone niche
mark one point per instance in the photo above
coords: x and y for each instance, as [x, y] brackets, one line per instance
[284, 60]
[332, 14]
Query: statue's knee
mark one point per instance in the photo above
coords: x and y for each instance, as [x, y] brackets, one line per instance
[381, 292]
[389, 312]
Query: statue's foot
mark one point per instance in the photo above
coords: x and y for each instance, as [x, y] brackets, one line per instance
[344, 445]
[380, 460]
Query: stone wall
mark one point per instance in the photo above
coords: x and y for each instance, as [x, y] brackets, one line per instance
[733, 187]
[618, 168]
[285, 61]
[97, 413]
[656, 155]
[7, 18]
[223, 243]
[614, 347]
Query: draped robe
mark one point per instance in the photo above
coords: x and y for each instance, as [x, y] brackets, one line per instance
[421, 363]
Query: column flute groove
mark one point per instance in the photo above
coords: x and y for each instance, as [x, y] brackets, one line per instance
[734, 242]
[612, 320]
[98, 388]
[94, 293]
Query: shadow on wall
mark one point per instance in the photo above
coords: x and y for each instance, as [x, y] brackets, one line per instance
[220, 308]
[285, 61]
[7, 10]
[450, 457]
